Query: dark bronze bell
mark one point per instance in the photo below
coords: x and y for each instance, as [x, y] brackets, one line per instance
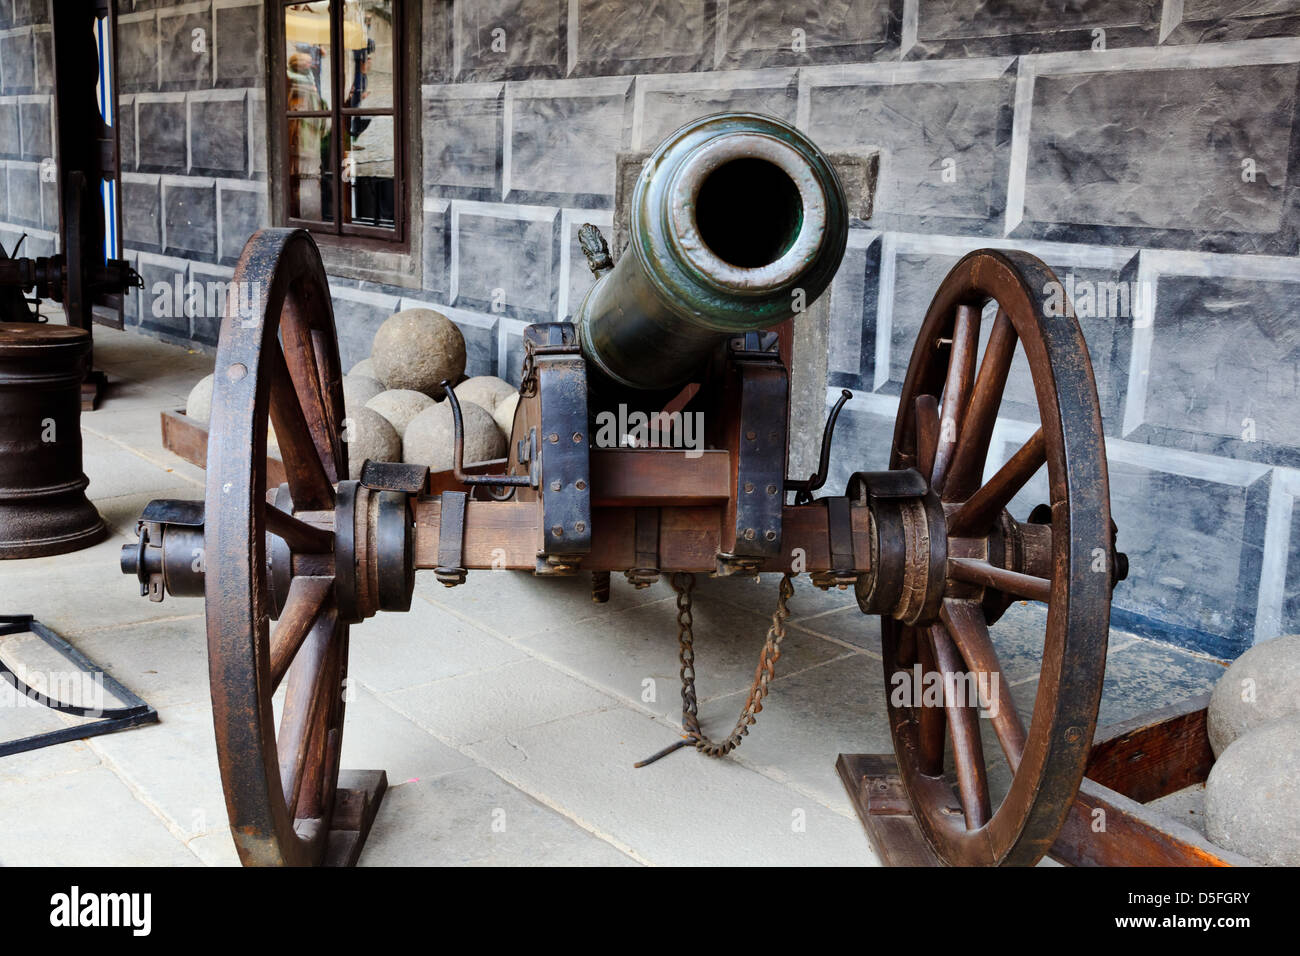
[43, 503]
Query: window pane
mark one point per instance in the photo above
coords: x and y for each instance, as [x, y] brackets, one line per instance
[307, 54]
[368, 66]
[310, 182]
[368, 172]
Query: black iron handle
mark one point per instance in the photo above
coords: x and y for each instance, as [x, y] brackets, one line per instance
[804, 489]
[458, 455]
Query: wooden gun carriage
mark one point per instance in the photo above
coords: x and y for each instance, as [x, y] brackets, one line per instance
[737, 220]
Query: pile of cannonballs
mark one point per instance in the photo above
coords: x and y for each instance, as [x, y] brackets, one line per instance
[1252, 796]
[394, 403]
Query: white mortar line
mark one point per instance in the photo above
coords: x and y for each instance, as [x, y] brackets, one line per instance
[1273, 567]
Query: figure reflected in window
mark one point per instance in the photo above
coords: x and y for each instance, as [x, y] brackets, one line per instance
[308, 143]
[368, 168]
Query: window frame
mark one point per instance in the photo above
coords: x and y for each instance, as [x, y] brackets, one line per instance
[397, 239]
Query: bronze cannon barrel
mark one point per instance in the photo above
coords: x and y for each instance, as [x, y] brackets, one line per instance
[737, 222]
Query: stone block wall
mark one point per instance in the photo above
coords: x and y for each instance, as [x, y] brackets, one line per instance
[28, 191]
[192, 107]
[1147, 150]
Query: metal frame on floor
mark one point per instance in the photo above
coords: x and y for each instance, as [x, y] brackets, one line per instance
[135, 712]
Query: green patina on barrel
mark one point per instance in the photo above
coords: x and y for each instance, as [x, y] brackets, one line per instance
[737, 222]
[43, 504]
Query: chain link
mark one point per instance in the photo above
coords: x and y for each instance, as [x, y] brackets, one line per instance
[683, 583]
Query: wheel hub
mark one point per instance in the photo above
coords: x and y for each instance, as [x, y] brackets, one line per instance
[909, 545]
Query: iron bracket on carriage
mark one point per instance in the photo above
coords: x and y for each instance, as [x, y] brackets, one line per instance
[690, 324]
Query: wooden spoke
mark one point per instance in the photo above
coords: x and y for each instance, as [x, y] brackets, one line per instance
[906, 651]
[309, 680]
[965, 623]
[927, 433]
[974, 571]
[300, 355]
[963, 728]
[320, 740]
[930, 720]
[956, 389]
[982, 412]
[329, 379]
[977, 515]
[309, 483]
[302, 537]
[305, 604]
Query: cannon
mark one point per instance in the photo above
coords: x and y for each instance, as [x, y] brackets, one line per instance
[737, 222]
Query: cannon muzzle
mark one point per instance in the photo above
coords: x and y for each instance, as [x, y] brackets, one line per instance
[737, 222]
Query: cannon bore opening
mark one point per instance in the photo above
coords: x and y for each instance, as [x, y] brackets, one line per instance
[748, 212]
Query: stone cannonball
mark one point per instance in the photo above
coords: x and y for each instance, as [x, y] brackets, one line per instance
[505, 414]
[199, 403]
[430, 438]
[369, 435]
[1252, 796]
[486, 391]
[364, 367]
[417, 349]
[1261, 685]
[358, 389]
[399, 406]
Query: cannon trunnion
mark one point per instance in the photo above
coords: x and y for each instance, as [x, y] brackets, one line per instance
[606, 472]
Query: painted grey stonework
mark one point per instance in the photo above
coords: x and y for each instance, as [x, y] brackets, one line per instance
[1147, 150]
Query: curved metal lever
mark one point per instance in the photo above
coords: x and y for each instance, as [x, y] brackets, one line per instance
[458, 455]
[804, 489]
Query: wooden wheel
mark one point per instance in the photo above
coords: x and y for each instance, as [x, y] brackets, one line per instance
[1064, 559]
[280, 364]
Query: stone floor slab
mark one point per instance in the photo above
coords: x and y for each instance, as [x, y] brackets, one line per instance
[808, 720]
[517, 604]
[114, 471]
[164, 662]
[682, 809]
[172, 765]
[89, 818]
[393, 651]
[490, 704]
[474, 818]
[376, 737]
[634, 653]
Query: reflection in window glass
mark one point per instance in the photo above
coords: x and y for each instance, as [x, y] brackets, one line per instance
[310, 185]
[368, 172]
[307, 53]
[342, 67]
[368, 67]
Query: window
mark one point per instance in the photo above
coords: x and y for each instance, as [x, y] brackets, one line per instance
[341, 118]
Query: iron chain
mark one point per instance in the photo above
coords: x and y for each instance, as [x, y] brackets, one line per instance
[683, 584]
